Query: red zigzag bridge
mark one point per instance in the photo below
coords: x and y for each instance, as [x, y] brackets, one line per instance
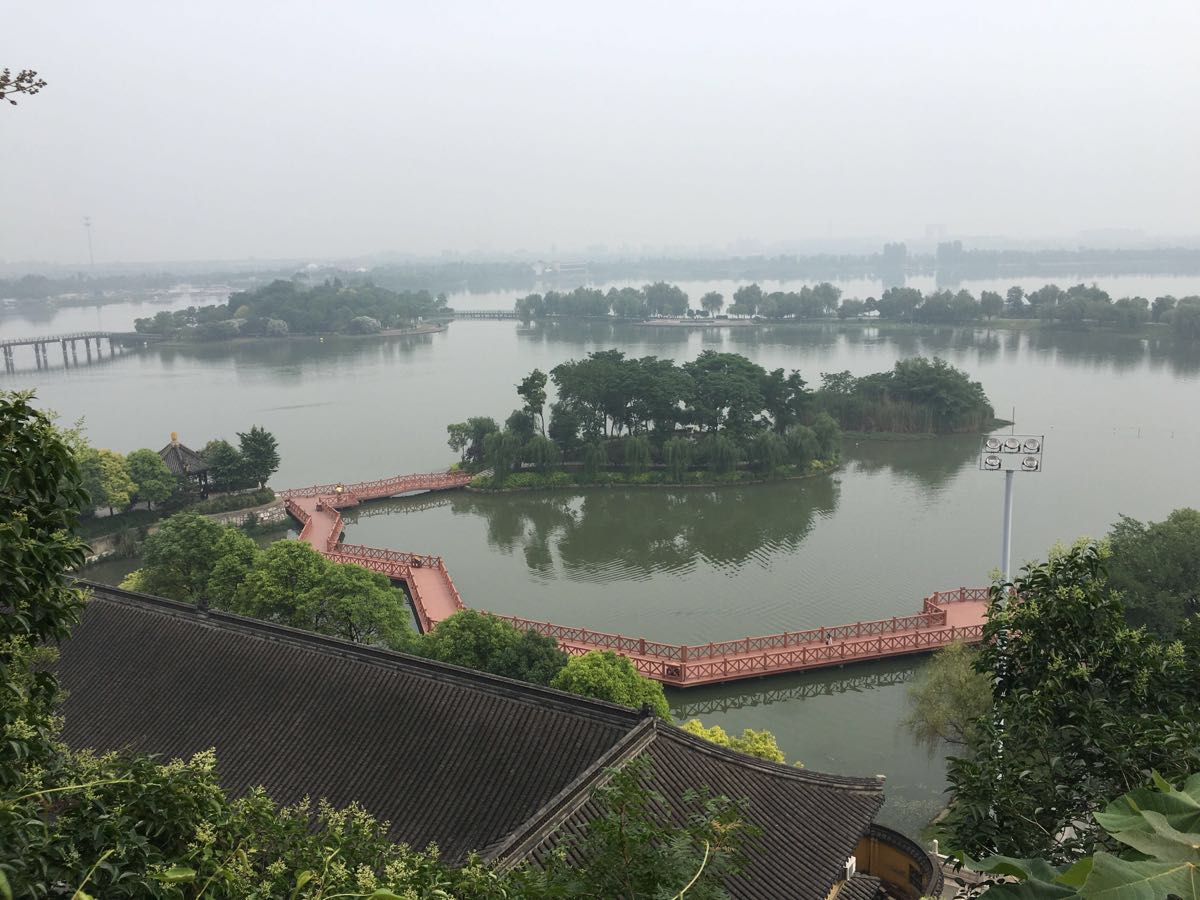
[945, 616]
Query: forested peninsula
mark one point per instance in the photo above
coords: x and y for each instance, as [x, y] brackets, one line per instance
[719, 418]
[282, 308]
[1077, 305]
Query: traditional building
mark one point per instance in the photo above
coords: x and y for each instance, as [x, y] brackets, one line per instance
[185, 462]
[463, 759]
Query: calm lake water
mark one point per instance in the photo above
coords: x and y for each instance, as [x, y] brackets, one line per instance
[898, 521]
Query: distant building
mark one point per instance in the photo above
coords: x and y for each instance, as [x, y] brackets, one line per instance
[463, 759]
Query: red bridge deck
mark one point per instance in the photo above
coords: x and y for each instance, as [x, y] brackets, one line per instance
[945, 617]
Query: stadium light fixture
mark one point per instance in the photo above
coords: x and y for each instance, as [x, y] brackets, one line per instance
[1010, 454]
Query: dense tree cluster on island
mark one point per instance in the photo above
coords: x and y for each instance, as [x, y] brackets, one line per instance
[652, 420]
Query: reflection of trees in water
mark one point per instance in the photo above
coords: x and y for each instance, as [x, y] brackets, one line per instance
[1181, 357]
[931, 463]
[398, 506]
[283, 356]
[640, 533]
[1092, 347]
[1089, 349]
[702, 701]
[624, 335]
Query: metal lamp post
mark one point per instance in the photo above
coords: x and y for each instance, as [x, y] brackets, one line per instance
[1010, 455]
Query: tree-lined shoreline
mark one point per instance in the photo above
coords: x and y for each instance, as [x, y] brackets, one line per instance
[1073, 306]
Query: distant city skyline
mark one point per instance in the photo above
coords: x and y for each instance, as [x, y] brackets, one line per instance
[305, 131]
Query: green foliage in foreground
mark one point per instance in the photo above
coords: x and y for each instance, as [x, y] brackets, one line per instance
[153, 481]
[106, 479]
[193, 559]
[607, 676]
[127, 827]
[479, 641]
[1156, 835]
[41, 495]
[762, 744]
[1156, 567]
[1082, 707]
[949, 697]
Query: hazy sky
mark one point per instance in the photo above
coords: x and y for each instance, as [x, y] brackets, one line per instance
[294, 129]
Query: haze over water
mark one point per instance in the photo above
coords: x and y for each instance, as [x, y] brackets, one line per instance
[898, 521]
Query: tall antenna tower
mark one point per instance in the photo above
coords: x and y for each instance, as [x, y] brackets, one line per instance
[87, 223]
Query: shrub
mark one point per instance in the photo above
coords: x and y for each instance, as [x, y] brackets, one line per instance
[364, 325]
[607, 676]
[637, 454]
[677, 454]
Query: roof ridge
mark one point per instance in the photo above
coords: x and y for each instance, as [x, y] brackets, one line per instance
[381, 656]
[511, 849]
[866, 783]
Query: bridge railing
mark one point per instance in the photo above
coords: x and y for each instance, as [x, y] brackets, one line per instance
[738, 647]
[599, 640]
[383, 487]
[454, 594]
[960, 595]
[335, 536]
[725, 668]
[298, 512]
[73, 336]
[398, 557]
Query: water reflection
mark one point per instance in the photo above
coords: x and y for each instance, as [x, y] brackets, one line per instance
[931, 463]
[282, 356]
[705, 701]
[1118, 351]
[603, 535]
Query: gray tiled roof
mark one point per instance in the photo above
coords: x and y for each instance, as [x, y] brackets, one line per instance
[862, 887]
[182, 460]
[463, 759]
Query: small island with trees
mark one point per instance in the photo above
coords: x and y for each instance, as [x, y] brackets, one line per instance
[720, 418]
[284, 308]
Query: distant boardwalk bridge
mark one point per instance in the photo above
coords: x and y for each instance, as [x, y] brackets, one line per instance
[118, 342]
[945, 616]
[483, 314]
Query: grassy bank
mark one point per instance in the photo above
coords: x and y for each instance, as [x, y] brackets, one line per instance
[142, 518]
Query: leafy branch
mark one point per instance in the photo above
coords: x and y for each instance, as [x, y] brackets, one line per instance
[26, 81]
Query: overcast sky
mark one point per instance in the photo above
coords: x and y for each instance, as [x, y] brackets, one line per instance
[228, 130]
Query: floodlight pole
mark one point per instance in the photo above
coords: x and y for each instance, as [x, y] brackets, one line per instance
[1006, 537]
